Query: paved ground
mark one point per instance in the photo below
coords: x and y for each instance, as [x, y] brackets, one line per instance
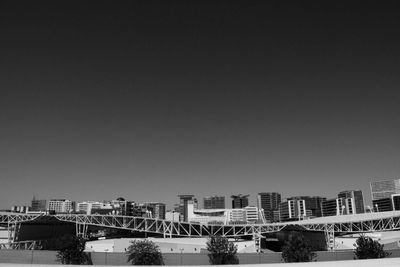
[391, 262]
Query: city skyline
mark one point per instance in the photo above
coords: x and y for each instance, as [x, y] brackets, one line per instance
[147, 100]
[201, 205]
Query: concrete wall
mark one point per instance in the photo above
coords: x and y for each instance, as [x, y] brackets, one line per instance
[101, 258]
[393, 262]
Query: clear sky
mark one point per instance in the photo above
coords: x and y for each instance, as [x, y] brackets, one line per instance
[147, 100]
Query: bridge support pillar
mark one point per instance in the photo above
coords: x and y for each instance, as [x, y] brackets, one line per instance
[330, 236]
[13, 229]
[167, 230]
[81, 230]
[257, 242]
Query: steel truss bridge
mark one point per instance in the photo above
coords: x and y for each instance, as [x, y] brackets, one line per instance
[344, 224]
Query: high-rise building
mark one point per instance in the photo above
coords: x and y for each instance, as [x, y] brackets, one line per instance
[382, 204]
[61, 205]
[183, 206]
[20, 209]
[396, 201]
[358, 199]
[384, 189]
[268, 202]
[86, 207]
[290, 210]
[38, 205]
[214, 202]
[338, 206]
[251, 214]
[157, 208]
[240, 201]
[313, 204]
[333, 207]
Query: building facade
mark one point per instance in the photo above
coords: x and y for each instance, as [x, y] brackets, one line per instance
[396, 201]
[382, 204]
[157, 209]
[291, 210]
[86, 207]
[246, 215]
[332, 207]
[251, 214]
[61, 206]
[268, 202]
[214, 202]
[184, 200]
[313, 205]
[358, 198]
[240, 201]
[384, 189]
[38, 205]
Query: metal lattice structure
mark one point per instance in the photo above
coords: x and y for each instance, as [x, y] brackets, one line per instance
[9, 217]
[25, 245]
[358, 223]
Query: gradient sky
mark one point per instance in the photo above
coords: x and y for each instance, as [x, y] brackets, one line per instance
[147, 100]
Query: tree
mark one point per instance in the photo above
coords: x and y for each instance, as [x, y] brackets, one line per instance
[221, 251]
[367, 248]
[72, 251]
[296, 249]
[144, 252]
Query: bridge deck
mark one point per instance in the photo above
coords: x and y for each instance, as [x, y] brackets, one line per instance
[366, 222]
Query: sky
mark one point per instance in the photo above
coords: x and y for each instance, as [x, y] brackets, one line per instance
[147, 100]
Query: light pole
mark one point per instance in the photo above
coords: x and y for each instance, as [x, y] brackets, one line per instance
[181, 249]
[105, 256]
[377, 208]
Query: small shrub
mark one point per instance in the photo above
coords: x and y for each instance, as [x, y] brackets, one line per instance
[72, 251]
[367, 248]
[221, 251]
[144, 252]
[297, 250]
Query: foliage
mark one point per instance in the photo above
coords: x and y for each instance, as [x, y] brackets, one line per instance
[367, 248]
[221, 251]
[296, 249]
[72, 251]
[57, 243]
[144, 252]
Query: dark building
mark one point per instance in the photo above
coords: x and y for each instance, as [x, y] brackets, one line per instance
[240, 201]
[184, 200]
[313, 204]
[358, 199]
[383, 204]
[157, 209]
[127, 208]
[214, 202]
[396, 201]
[269, 202]
[332, 207]
[38, 205]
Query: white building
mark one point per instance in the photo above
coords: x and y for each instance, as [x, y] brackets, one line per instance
[251, 214]
[237, 215]
[87, 206]
[61, 205]
[172, 216]
[224, 216]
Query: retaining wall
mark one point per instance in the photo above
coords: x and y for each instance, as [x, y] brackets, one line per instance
[101, 258]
